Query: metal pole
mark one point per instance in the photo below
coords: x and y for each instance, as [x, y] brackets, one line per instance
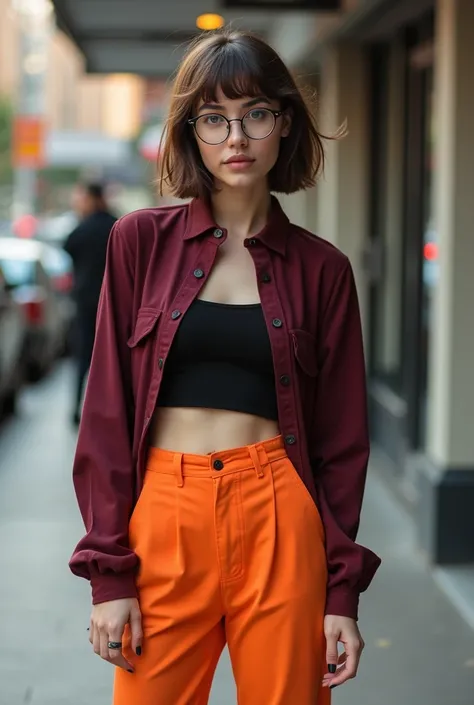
[35, 17]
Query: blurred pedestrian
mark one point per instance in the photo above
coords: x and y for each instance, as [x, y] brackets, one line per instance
[87, 245]
[223, 448]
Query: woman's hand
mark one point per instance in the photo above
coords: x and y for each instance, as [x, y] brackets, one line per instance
[345, 630]
[108, 621]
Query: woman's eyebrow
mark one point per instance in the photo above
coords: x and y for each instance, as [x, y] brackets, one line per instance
[255, 101]
[211, 106]
[248, 104]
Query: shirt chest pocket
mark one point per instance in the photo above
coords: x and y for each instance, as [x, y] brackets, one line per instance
[304, 348]
[143, 347]
[146, 325]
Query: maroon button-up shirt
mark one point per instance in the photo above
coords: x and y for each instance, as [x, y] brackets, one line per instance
[157, 262]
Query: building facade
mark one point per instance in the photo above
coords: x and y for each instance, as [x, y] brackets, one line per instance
[74, 100]
[397, 198]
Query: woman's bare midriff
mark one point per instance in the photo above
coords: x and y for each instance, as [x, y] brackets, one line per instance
[204, 431]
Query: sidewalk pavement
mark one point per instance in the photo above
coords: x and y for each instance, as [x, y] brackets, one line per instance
[418, 650]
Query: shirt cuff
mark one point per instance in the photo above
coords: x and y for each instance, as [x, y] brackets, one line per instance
[342, 601]
[113, 586]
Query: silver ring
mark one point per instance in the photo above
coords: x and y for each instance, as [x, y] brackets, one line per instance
[114, 645]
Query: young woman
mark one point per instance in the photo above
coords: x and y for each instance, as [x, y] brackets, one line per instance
[223, 447]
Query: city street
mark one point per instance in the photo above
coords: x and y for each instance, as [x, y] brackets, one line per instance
[418, 650]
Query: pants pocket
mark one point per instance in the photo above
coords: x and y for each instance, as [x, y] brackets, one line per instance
[138, 508]
[301, 491]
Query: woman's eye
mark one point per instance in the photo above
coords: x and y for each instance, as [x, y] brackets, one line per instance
[213, 119]
[257, 114]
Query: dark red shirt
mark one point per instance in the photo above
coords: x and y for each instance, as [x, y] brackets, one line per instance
[157, 262]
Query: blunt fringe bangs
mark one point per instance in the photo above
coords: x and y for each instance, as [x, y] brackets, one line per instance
[240, 64]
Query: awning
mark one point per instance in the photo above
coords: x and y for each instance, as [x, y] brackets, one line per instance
[148, 37]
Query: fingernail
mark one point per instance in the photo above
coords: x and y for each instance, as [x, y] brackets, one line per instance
[130, 670]
[138, 650]
[332, 668]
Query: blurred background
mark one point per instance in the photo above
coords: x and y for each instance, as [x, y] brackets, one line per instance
[84, 87]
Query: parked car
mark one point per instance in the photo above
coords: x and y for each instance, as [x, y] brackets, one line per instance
[12, 345]
[59, 267]
[40, 278]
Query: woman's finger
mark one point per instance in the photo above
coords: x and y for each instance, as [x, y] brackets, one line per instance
[331, 651]
[136, 631]
[328, 677]
[341, 659]
[115, 655]
[104, 639]
[96, 640]
[353, 651]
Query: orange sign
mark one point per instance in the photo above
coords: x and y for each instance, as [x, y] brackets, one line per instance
[28, 142]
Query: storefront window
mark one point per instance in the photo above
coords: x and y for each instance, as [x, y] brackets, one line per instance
[403, 252]
[386, 227]
[430, 255]
[420, 259]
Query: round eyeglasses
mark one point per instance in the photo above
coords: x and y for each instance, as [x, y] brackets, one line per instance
[257, 124]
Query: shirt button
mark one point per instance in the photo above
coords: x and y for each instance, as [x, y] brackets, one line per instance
[198, 273]
[277, 323]
[218, 464]
[175, 315]
[160, 363]
[218, 233]
[285, 380]
[266, 278]
[290, 440]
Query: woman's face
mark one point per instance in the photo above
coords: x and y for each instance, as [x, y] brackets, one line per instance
[256, 156]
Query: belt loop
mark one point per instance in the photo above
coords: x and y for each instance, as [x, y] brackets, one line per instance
[256, 461]
[178, 468]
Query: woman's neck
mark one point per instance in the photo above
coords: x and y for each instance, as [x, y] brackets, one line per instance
[241, 213]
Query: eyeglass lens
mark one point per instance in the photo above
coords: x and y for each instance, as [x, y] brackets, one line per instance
[256, 124]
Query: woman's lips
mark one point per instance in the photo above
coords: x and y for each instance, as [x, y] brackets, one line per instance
[239, 164]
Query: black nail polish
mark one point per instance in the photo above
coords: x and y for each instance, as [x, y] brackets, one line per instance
[332, 668]
[138, 650]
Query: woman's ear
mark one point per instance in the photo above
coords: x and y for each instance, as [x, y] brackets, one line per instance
[287, 119]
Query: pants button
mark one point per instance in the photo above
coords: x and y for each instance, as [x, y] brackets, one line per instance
[218, 464]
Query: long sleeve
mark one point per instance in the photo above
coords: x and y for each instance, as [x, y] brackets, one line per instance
[103, 466]
[340, 446]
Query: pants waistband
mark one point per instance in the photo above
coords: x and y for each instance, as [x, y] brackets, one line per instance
[218, 463]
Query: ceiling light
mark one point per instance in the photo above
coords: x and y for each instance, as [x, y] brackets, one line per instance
[210, 21]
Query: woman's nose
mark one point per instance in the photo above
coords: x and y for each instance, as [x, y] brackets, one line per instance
[236, 135]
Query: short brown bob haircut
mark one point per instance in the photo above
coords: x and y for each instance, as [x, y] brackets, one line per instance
[242, 65]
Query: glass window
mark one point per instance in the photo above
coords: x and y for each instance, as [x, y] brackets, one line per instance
[386, 225]
[420, 252]
[430, 261]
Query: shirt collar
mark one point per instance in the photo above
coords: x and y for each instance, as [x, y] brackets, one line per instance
[273, 235]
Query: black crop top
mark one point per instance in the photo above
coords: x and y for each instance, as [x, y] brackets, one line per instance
[221, 359]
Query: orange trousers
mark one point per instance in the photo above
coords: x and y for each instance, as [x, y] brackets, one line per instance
[231, 550]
